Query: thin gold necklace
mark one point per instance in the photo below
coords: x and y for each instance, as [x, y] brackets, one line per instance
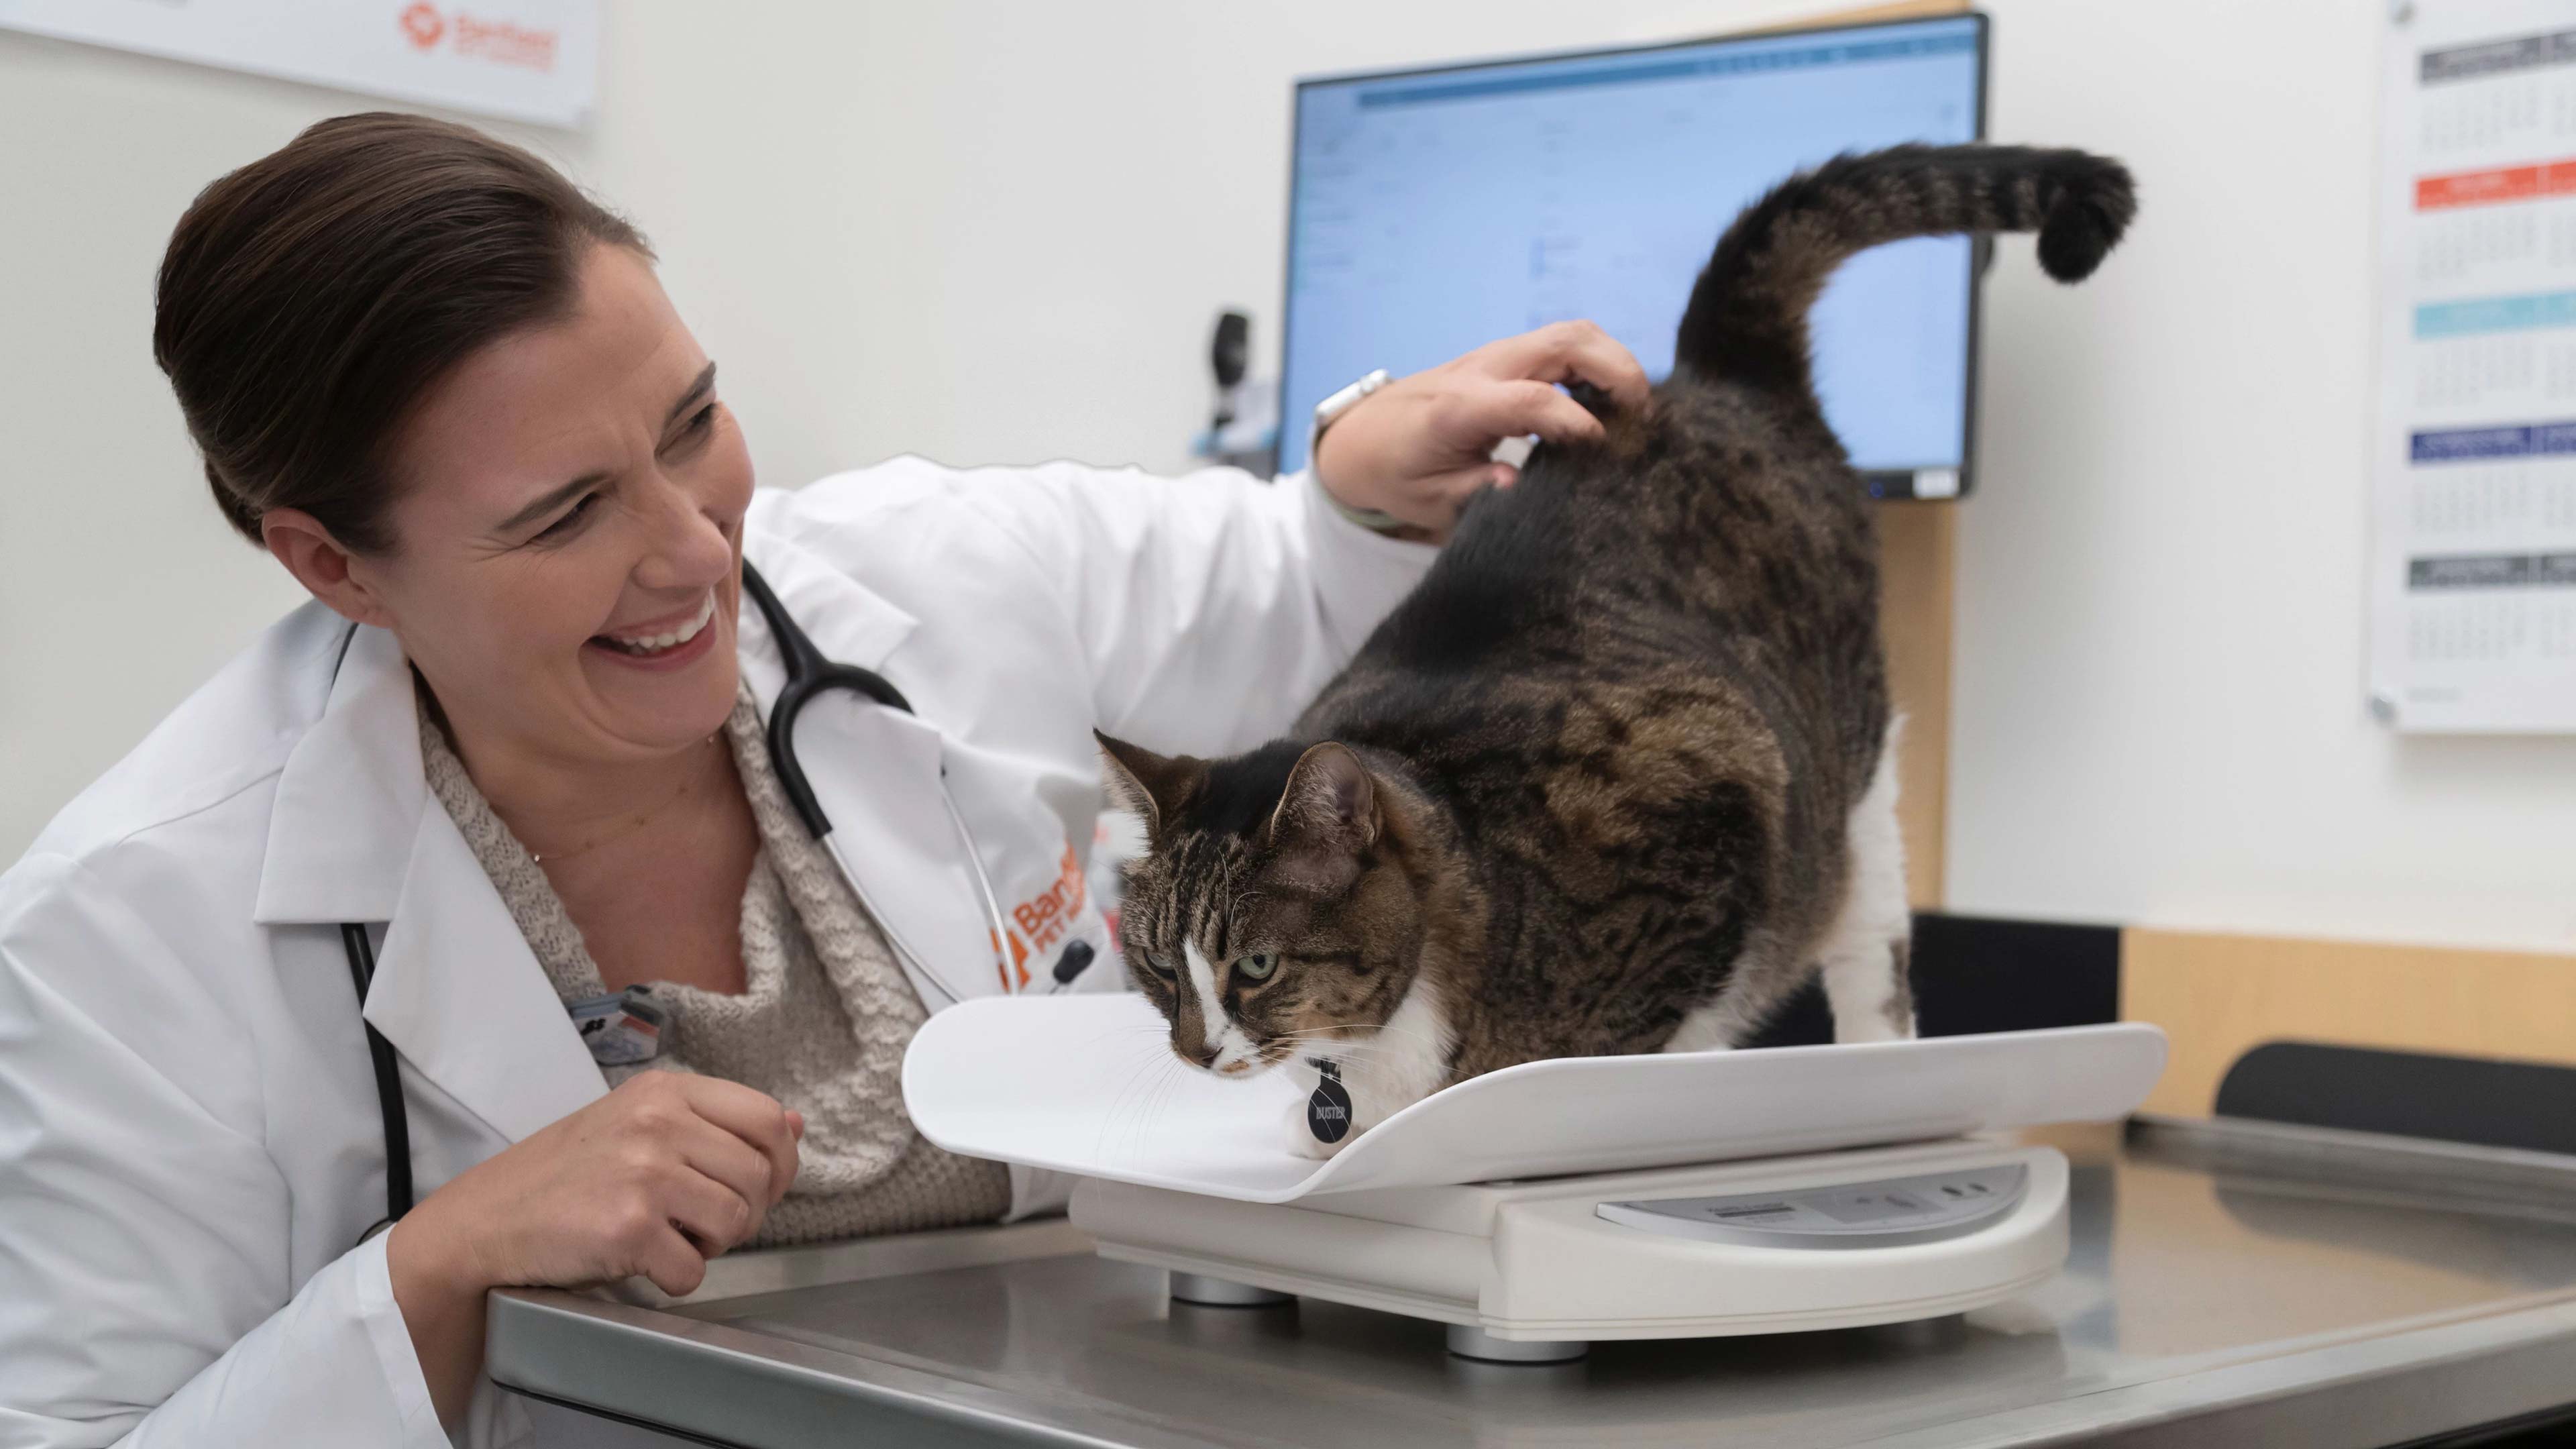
[621, 832]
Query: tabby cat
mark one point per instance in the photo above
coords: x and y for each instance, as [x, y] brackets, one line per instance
[1617, 776]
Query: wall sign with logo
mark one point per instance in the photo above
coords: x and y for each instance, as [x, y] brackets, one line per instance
[529, 60]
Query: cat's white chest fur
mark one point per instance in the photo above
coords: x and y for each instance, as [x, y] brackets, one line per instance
[1403, 1062]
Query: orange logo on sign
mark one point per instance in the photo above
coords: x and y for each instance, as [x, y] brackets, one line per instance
[423, 24]
[503, 43]
[499, 42]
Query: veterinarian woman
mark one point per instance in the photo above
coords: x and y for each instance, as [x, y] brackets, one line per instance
[511, 762]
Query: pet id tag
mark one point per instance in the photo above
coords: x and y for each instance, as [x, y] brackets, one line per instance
[622, 1029]
[1328, 1112]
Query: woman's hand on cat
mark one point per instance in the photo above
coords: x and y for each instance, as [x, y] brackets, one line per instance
[1421, 446]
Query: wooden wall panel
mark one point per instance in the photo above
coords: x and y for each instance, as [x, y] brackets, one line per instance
[2217, 996]
[1917, 542]
[1862, 14]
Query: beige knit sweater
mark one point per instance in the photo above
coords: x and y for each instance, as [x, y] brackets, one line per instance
[821, 1024]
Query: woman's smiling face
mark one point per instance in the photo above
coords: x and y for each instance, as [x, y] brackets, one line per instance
[568, 532]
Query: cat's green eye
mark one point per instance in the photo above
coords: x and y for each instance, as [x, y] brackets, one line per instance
[1257, 966]
[1155, 964]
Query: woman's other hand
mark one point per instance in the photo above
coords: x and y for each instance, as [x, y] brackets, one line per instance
[654, 1179]
[1419, 447]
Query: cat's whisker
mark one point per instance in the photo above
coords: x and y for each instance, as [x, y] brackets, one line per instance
[1132, 1099]
[1136, 1125]
[1129, 1085]
[1166, 1086]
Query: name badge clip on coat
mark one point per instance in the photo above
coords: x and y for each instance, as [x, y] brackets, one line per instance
[622, 1029]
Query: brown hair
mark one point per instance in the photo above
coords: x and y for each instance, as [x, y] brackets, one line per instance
[309, 299]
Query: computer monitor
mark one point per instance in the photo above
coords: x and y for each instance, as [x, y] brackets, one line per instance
[1434, 210]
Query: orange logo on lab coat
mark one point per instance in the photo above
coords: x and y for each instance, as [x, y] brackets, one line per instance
[1043, 919]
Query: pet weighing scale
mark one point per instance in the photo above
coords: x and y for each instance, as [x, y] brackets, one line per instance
[1541, 1208]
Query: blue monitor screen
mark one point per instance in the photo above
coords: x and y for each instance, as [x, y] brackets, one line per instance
[1432, 211]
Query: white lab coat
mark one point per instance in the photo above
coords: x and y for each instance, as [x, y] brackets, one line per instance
[190, 1144]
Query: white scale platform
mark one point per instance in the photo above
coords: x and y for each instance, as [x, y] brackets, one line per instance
[1556, 1203]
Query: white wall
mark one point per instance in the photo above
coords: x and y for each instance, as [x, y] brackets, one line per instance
[998, 231]
[2159, 700]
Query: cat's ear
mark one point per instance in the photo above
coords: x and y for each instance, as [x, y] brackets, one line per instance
[1152, 785]
[1327, 818]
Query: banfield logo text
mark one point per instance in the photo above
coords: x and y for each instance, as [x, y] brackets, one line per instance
[498, 41]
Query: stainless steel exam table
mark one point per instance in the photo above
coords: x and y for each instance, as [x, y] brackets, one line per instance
[2231, 1284]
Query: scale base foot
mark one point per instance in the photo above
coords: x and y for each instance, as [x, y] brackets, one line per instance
[1209, 1292]
[1476, 1343]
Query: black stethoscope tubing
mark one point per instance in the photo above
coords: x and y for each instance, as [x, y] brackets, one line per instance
[809, 673]
[389, 1097]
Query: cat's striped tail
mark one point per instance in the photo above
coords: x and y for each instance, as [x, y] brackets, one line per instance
[1747, 321]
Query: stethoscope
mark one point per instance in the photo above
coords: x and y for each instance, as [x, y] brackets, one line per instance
[809, 674]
